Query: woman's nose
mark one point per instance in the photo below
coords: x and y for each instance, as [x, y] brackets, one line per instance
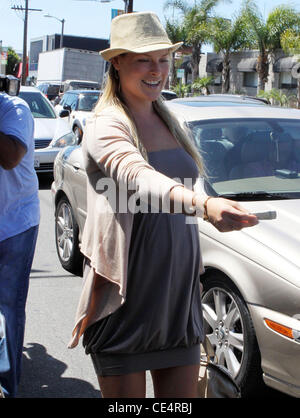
[155, 68]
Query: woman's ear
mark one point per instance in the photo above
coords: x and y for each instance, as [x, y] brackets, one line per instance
[116, 63]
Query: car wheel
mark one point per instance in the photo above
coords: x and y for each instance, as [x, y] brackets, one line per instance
[66, 238]
[229, 327]
[78, 134]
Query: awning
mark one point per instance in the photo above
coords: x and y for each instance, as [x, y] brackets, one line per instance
[284, 64]
[214, 66]
[247, 65]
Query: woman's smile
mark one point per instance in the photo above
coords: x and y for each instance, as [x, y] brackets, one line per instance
[152, 84]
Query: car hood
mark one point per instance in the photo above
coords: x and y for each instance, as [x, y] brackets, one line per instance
[50, 128]
[281, 235]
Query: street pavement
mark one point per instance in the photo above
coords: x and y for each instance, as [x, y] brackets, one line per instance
[50, 369]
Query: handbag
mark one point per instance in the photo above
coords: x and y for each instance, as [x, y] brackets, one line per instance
[215, 381]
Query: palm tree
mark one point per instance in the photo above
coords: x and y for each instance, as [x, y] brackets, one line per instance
[196, 20]
[290, 43]
[176, 33]
[202, 84]
[265, 35]
[227, 37]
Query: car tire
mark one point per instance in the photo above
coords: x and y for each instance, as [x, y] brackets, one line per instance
[229, 327]
[66, 238]
[78, 134]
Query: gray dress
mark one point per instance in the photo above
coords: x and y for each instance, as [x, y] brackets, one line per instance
[160, 325]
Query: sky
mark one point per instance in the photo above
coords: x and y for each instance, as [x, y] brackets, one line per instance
[92, 18]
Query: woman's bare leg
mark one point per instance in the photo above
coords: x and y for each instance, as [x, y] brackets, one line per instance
[176, 382]
[131, 385]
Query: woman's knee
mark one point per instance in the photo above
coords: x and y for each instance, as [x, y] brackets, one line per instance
[131, 385]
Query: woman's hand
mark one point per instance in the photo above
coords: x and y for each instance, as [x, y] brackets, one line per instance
[227, 215]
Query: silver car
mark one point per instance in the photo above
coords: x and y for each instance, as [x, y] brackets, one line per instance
[51, 133]
[251, 296]
[221, 100]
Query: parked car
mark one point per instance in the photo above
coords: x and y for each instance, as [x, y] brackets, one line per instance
[168, 94]
[80, 84]
[50, 132]
[51, 91]
[221, 100]
[76, 106]
[251, 284]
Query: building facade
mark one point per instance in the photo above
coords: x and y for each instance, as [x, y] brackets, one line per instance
[243, 74]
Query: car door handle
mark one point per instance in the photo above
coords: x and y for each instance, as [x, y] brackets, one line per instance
[76, 166]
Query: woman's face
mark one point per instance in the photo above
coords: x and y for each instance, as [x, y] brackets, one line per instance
[142, 76]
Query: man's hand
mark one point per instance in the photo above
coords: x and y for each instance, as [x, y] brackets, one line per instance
[11, 152]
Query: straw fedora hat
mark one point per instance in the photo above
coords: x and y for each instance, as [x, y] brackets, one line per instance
[139, 32]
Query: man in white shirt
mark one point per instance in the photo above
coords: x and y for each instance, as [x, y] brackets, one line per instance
[19, 220]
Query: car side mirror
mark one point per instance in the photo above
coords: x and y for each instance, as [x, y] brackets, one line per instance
[67, 107]
[64, 113]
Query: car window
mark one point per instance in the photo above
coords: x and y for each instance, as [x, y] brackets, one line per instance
[74, 99]
[39, 106]
[53, 89]
[63, 100]
[250, 155]
[67, 99]
[87, 102]
[41, 87]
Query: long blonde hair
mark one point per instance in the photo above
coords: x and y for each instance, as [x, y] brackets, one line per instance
[112, 97]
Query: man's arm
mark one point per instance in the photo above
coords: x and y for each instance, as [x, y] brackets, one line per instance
[11, 151]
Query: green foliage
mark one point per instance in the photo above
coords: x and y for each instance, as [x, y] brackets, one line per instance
[202, 84]
[282, 18]
[290, 41]
[182, 89]
[12, 59]
[277, 97]
[265, 35]
[196, 21]
[176, 31]
[228, 36]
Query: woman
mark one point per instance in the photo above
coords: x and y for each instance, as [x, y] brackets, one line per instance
[140, 307]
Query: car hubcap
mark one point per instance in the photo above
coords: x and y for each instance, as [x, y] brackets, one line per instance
[224, 328]
[64, 231]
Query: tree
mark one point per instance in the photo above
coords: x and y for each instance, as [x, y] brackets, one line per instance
[12, 60]
[290, 42]
[176, 33]
[202, 84]
[227, 37]
[265, 35]
[277, 97]
[196, 20]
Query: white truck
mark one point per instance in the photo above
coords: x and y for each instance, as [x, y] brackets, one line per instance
[60, 65]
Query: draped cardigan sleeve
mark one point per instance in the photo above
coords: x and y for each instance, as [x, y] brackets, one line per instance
[114, 168]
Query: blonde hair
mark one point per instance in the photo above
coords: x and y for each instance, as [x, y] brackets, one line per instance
[112, 97]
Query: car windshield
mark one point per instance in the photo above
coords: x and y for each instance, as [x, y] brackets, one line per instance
[39, 106]
[251, 158]
[87, 102]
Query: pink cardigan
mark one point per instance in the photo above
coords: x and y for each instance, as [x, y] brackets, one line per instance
[110, 153]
